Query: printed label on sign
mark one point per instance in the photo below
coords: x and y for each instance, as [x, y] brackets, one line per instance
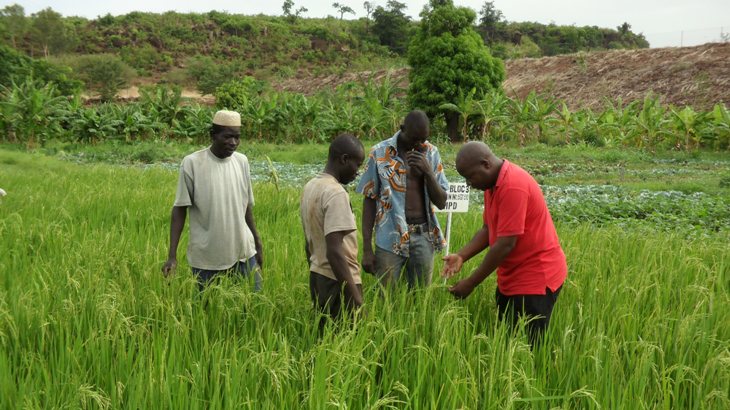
[457, 199]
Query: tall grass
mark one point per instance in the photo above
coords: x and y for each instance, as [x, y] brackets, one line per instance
[87, 320]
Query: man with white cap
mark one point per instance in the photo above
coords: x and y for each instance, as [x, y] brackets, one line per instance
[215, 187]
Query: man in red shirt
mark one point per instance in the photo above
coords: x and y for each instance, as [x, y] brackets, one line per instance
[523, 244]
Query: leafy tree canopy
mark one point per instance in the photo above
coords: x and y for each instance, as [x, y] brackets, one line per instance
[392, 26]
[449, 61]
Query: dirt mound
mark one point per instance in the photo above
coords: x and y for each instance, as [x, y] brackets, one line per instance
[697, 76]
[309, 86]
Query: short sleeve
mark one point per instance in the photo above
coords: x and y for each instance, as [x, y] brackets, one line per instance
[338, 215]
[512, 212]
[438, 170]
[369, 184]
[185, 188]
[249, 185]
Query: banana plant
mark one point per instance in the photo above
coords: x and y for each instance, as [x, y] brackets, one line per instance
[565, 120]
[686, 122]
[29, 112]
[91, 126]
[649, 126]
[716, 127]
[161, 102]
[466, 107]
[491, 112]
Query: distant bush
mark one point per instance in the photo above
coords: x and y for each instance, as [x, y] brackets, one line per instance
[146, 59]
[235, 93]
[102, 73]
[208, 73]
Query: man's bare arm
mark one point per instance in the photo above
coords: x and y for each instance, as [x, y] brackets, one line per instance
[178, 214]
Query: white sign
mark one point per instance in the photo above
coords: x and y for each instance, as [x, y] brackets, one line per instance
[457, 199]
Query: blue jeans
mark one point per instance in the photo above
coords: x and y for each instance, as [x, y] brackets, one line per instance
[418, 265]
[241, 268]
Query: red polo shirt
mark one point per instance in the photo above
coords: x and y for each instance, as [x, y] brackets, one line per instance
[516, 207]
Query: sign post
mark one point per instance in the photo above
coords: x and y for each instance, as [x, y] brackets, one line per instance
[457, 200]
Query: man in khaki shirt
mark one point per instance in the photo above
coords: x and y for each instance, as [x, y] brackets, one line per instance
[330, 230]
[215, 187]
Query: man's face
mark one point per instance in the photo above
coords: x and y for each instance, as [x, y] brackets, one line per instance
[414, 137]
[225, 142]
[352, 164]
[477, 175]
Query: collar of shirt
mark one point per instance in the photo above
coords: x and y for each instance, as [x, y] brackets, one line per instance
[506, 165]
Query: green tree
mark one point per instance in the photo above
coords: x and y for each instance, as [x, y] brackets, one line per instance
[490, 18]
[289, 11]
[392, 26]
[15, 23]
[448, 60]
[48, 31]
[369, 8]
[342, 9]
[103, 73]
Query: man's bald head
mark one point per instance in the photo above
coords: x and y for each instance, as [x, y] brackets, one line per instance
[473, 153]
[478, 165]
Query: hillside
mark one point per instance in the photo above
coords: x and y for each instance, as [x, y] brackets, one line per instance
[697, 76]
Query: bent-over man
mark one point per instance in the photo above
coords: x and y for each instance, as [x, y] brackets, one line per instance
[523, 244]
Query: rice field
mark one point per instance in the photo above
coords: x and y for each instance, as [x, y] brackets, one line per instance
[88, 321]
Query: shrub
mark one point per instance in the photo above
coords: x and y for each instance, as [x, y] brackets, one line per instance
[209, 74]
[103, 73]
[235, 93]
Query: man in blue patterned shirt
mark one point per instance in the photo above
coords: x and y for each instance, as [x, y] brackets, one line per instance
[403, 179]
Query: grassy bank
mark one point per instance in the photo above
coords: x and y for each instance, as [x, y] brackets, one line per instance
[86, 319]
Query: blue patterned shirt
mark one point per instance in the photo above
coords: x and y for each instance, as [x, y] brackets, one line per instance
[384, 180]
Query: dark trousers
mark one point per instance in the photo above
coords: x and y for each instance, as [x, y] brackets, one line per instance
[537, 309]
[242, 269]
[329, 297]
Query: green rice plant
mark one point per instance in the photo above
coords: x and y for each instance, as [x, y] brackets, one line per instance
[87, 319]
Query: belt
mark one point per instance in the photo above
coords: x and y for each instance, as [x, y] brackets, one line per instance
[418, 228]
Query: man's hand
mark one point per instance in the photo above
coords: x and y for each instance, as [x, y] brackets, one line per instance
[462, 289]
[452, 265]
[418, 163]
[259, 257]
[368, 262]
[169, 267]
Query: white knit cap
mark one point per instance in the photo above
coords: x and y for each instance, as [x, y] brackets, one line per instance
[227, 118]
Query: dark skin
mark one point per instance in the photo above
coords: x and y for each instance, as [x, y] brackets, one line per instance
[419, 174]
[223, 145]
[344, 168]
[480, 167]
